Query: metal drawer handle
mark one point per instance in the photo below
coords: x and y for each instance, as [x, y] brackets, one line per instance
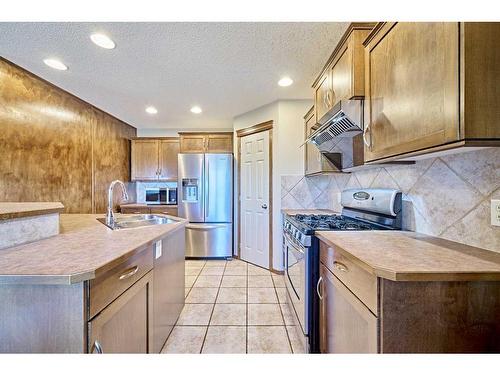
[129, 273]
[340, 266]
[96, 348]
[368, 143]
[320, 280]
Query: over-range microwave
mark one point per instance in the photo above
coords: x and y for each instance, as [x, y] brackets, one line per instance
[161, 196]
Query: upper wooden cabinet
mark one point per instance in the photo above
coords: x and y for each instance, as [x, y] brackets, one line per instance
[206, 143]
[430, 87]
[154, 159]
[343, 77]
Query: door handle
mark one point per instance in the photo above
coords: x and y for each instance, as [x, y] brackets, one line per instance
[264, 206]
[129, 273]
[96, 348]
[320, 280]
[366, 141]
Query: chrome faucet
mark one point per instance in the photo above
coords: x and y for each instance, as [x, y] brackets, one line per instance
[110, 217]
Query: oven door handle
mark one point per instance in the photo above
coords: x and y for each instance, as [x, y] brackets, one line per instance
[294, 244]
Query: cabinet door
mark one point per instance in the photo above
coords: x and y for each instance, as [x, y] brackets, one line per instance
[219, 143]
[144, 160]
[192, 143]
[313, 163]
[123, 326]
[412, 81]
[168, 151]
[345, 324]
[322, 99]
[341, 76]
[134, 210]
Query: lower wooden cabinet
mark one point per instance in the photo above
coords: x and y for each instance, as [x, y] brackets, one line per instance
[122, 327]
[346, 325]
[164, 210]
[134, 210]
[149, 210]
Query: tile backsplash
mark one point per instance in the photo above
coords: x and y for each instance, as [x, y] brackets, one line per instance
[140, 188]
[448, 196]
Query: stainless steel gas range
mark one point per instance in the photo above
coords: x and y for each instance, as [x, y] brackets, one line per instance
[362, 209]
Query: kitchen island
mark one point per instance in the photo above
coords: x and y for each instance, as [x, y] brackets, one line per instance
[92, 289]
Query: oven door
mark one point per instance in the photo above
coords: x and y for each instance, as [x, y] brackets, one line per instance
[295, 280]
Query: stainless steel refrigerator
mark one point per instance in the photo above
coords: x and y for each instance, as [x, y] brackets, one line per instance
[205, 198]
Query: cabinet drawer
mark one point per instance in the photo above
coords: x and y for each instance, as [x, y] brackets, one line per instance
[110, 284]
[359, 281]
[164, 210]
[134, 210]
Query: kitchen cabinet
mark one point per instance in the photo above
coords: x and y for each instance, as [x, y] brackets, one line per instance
[198, 143]
[430, 87]
[360, 312]
[144, 209]
[122, 327]
[315, 161]
[154, 159]
[346, 325]
[343, 76]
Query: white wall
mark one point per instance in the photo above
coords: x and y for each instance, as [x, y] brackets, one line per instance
[288, 135]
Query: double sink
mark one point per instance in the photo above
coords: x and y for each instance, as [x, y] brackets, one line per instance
[136, 221]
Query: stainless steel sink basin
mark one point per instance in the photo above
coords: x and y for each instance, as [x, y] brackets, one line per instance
[137, 221]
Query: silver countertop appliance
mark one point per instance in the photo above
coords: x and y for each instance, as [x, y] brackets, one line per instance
[206, 200]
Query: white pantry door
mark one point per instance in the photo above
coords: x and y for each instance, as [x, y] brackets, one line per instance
[254, 199]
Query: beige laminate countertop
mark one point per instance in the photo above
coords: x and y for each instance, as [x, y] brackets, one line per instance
[83, 247]
[409, 256]
[12, 210]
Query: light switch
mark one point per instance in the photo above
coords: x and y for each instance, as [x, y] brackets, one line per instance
[157, 249]
[495, 212]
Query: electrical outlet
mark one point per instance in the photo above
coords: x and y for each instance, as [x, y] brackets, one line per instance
[495, 212]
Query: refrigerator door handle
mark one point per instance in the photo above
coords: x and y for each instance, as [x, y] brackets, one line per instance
[203, 227]
[207, 189]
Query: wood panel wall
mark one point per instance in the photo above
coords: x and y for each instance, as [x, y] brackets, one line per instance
[56, 147]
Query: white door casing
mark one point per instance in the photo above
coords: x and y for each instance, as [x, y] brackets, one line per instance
[254, 199]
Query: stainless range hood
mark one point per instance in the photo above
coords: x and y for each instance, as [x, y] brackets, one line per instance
[337, 133]
[343, 120]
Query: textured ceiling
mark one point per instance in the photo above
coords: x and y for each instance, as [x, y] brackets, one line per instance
[226, 68]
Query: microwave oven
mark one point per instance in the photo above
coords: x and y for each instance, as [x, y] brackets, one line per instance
[161, 196]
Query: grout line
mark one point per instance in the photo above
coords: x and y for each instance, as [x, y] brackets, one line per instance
[284, 322]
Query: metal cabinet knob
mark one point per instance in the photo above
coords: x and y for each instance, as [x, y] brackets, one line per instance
[264, 206]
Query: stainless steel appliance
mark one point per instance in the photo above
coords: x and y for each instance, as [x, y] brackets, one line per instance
[362, 209]
[166, 195]
[206, 200]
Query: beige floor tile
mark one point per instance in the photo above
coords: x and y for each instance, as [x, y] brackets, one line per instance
[236, 271]
[296, 340]
[202, 295]
[225, 340]
[185, 340]
[234, 281]
[264, 315]
[258, 271]
[212, 271]
[262, 295]
[208, 281]
[229, 315]
[195, 262]
[193, 271]
[189, 281]
[287, 314]
[215, 263]
[186, 291]
[281, 294]
[268, 340]
[232, 295]
[236, 262]
[195, 315]
[279, 281]
[260, 281]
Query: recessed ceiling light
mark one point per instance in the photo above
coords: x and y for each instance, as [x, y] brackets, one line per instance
[285, 81]
[102, 41]
[196, 109]
[55, 64]
[151, 110]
